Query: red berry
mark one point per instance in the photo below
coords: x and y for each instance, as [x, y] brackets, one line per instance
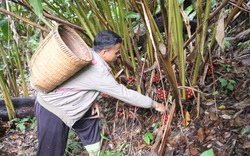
[189, 93]
[130, 79]
[164, 119]
[210, 69]
[156, 78]
[120, 114]
[162, 94]
[130, 116]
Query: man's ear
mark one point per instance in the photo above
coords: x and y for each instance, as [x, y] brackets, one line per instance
[102, 53]
[105, 51]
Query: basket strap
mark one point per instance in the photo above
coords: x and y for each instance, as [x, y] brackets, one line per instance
[66, 90]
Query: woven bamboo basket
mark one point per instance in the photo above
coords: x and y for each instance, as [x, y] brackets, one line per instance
[59, 56]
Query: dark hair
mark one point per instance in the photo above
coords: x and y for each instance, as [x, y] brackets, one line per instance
[106, 39]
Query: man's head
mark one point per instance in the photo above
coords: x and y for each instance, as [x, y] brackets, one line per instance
[107, 44]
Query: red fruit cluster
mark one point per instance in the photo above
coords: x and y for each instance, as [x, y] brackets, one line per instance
[120, 112]
[130, 115]
[131, 109]
[156, 78]
[189, 94]
[130, 79]
[103, 95]
[164, 119]
[210, 69]
[161, 93]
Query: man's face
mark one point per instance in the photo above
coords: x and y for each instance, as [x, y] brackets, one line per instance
[111, 55]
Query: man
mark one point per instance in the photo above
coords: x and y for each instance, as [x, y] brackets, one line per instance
[73, 105]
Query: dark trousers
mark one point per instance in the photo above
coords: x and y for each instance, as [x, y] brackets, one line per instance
[53, 133]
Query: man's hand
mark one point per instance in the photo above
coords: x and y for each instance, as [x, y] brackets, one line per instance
[160, 107]
[95, 113]
[95, 109]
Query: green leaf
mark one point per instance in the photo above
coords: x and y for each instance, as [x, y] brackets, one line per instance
[223, 82]
[104, 137]
[25, 120]
[109, 153]
[132, 15]
[148, 137]
[209, 152]
[215, 93]
[192, 15]
[21, 127]
[127, 145]
[147, 140]
[38, 8]
[230, 87]
[4, 26]
[189, 10]
[3, 21]
[227, 41]
[170, 98]
[245, 130]
[2, 67]
[232, 81]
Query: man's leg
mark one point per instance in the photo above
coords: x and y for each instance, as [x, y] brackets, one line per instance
[88, 131]
[52, 133]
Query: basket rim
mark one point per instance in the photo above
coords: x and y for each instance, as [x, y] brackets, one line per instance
[81, 41]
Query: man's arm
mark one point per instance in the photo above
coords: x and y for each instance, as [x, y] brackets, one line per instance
[108, 85]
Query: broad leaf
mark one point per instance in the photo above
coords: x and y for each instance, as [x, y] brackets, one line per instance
[38, 8]
[148, 137]
[209, 152]
[245, 130]
[132, 15]
[232, 81]
[230, 87]
[4, 26]
[223, 82]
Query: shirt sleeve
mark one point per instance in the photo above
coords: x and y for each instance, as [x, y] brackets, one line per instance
[107, 84]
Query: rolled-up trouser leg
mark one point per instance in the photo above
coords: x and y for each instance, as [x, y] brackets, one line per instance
[52, 133]
[88, 131]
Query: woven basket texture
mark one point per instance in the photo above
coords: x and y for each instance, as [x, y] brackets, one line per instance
[59, 56]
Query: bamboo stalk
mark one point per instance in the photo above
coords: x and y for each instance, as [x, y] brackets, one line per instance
[45, 15]
[9, 73]
[8, 103]
[234, 12]
[209, 18]
[23, 19]
[201, 40]
[179, 44]
[20, 68]
[167, 67]
[83, 15]
[124, 29]
[88, 31]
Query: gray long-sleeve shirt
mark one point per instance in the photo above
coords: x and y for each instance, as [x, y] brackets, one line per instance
[70, 106]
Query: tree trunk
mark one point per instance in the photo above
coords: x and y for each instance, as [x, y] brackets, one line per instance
[23, 106]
